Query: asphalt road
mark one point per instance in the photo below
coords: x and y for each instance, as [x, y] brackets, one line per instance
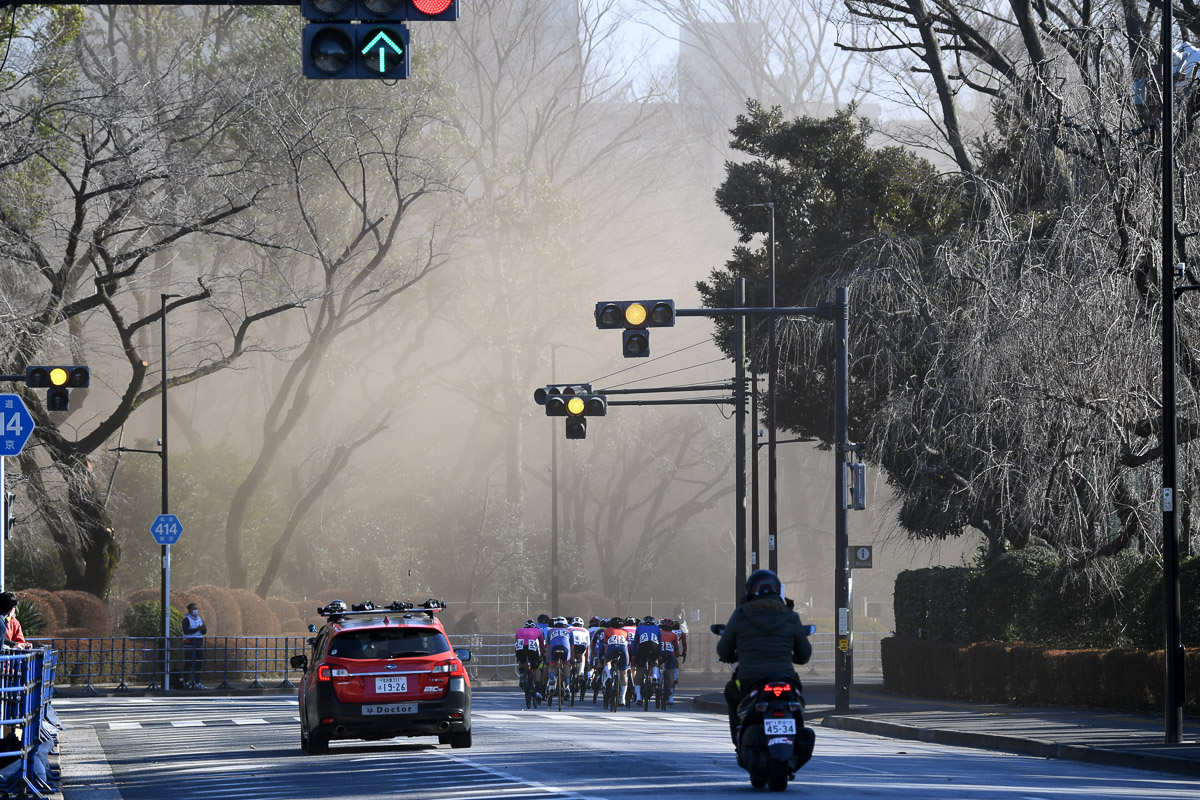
[248, 747]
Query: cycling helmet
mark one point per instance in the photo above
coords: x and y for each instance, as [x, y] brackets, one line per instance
[648, 620]
[529, 624]
[616, 622]
[577, 622]
[593, 622]
[337, 606]
[665, 622]
[630, 621]
[544, 619]
[763, 581]
[559, 622]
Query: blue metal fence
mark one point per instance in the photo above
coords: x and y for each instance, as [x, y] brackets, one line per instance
[29, 726]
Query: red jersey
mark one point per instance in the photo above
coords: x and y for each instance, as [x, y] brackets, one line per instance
[616, 636]
[13, 632]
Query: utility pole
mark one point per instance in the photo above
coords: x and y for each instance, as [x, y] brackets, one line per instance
[739, 389]
[844, 655]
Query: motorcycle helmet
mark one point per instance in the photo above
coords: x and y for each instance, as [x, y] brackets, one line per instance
[763, 581]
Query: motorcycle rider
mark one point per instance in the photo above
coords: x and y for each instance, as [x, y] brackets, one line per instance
[765, 637]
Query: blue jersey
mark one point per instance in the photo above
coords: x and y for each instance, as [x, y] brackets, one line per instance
[559, 637]
[645, 633]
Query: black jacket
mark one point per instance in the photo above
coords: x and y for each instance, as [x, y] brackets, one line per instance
[764, 637]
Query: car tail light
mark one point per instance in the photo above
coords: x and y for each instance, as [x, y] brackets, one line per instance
[452, 667]
[326, 672]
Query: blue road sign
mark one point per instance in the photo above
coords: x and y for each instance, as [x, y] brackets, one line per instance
[166, 529]
[15, 424]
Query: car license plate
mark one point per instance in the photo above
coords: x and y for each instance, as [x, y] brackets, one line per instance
[391, 685]
[779, 726]
[389, 708]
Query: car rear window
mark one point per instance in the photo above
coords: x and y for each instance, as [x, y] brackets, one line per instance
[388, 643]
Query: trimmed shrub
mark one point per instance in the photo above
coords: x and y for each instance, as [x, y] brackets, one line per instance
[86, 611]
[993, 672]
[257, 617]
[144, 618]
[285, 612]
[1151, 617]
[934, 603]
[1004, 603]
[179, 599]
[219, 608]
[52, 609]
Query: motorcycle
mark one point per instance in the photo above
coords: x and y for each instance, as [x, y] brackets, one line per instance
[772, 742]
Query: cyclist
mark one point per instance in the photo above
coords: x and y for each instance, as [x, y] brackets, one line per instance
[558, 644]
[616, 653]
[529, 646]
[580, 639]
[645, 649]
[670, 665]
[598, 643]
[543, 623]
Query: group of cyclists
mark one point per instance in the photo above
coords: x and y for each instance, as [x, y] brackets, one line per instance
[564, 657]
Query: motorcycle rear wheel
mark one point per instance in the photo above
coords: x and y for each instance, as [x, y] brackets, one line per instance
[777, 779]
[758, 780]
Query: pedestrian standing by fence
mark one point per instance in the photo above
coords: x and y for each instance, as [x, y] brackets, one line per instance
[194, 630]
[14, 637]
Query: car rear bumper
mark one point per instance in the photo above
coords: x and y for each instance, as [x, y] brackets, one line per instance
[450, 713]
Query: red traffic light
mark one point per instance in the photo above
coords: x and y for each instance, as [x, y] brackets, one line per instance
[432, 10]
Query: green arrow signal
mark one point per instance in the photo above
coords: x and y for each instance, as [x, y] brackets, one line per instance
[384, 41]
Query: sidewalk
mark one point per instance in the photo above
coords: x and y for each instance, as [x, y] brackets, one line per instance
[1111, 738]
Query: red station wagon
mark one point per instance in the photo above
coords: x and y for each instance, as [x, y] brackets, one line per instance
[377, 673]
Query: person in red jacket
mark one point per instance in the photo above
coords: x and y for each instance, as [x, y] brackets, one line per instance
[13, 635]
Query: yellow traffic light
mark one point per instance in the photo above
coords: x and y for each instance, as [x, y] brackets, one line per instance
[575, 406]
[58, 376]
[635, 314]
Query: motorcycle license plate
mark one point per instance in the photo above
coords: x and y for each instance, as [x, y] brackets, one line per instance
[779, 727]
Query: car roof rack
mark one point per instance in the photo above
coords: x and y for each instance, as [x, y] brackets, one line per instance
[337, 609]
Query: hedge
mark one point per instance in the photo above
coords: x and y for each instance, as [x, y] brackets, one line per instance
[996, 672]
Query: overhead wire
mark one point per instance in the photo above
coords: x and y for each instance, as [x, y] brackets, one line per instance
[652, 360]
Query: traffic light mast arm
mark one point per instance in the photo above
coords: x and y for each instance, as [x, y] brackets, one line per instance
[680, 401]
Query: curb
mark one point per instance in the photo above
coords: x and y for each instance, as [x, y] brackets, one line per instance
[1020, 746]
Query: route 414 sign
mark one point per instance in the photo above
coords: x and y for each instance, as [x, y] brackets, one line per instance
[166, 529]
[15, 424]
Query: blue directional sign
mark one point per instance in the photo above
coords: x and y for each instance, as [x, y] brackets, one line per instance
[166, 529]
[15, 424]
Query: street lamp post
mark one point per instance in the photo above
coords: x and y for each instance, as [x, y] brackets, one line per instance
[553, 501]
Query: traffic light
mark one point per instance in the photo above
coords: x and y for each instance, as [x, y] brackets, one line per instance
[635, 316]
[419, 10]
[573, 401]
[334, 47]
[57, 381]
[376, 47]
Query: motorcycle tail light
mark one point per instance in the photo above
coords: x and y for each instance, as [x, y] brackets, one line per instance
[793, 706]
[778, 689]
[760, 707]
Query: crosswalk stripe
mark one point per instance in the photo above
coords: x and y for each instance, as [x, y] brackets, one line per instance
[250, 721]
[188, 723]
[124, 726]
